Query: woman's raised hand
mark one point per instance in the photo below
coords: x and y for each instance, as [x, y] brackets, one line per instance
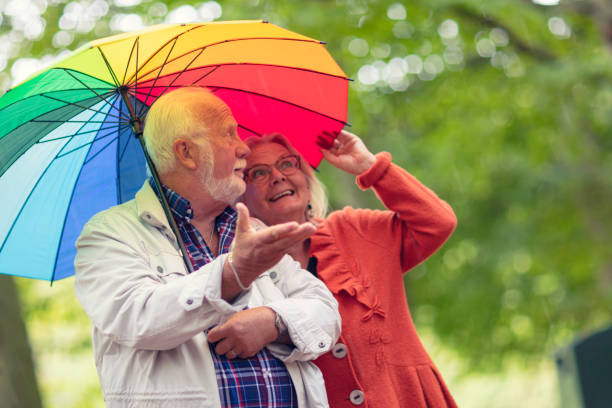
[346, 152]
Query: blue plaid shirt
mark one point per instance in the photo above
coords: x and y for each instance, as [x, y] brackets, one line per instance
[259, 381]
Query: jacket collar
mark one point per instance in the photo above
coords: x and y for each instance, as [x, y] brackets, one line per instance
[150, 211]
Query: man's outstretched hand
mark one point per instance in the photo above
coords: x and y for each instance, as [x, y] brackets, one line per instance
[256, 251]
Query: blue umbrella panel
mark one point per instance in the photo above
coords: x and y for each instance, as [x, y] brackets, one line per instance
[85, 164]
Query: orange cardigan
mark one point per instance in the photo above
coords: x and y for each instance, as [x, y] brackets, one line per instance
[379, 361]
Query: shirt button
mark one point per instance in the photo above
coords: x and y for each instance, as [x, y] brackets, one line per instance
[339, 350]
[160, 269]
[273, 275]
[322, 344]
[356, 397]
[189, 301]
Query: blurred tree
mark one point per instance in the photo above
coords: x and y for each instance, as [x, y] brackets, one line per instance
[18, 385]
[503, 107]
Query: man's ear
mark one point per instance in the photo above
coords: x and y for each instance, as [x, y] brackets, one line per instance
[186, 152]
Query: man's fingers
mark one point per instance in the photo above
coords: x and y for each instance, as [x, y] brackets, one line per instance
[283, 242]
[225, 347]
[242, 224]
[275, 232]
[215, 334]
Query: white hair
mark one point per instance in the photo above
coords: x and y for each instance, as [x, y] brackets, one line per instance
[318, 196]
[172, 116]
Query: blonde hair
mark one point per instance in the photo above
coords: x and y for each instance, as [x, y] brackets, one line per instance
[172, 116]
[318, 195]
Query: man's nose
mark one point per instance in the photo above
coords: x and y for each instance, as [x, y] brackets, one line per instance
[242, 150]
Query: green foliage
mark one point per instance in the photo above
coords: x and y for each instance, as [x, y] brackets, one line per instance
[507, 121]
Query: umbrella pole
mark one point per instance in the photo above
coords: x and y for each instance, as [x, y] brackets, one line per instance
[137, 129]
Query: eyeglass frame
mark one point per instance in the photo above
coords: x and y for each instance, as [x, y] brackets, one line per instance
[298, 166]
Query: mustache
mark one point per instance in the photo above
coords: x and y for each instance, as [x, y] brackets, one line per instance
[240, 163]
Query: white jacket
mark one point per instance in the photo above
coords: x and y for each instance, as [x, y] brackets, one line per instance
[148, 314]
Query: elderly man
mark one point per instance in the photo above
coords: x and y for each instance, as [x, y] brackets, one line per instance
[238, 331]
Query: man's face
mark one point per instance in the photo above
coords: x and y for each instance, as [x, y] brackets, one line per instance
[222, 155]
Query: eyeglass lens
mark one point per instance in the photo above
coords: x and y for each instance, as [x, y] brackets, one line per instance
[260, 172]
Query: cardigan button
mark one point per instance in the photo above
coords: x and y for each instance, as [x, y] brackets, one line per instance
[273, 275]
[356, 397]
[339, 350]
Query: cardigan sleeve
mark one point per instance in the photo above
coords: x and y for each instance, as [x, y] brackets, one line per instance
[415, 216]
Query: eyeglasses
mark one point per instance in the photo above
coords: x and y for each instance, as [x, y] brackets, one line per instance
[259, 173]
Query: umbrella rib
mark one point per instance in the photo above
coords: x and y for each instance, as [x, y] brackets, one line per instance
[35, 95]
[118, 180]
[124, 149]
[75, 134]
[219, 43]
[173, 39]
[129, 59]
[79, 106]
[158, 74]
[279, 100]
[117, 172]
[91, 89]
[117, 84]
[136, 73]
[174, 79]
[216, 88]
[69, 205]
[249, 130]
[8, 234]
[263, 65]
[73, 121]
[120, 156]
[28, 199]
[99, 151]
[60, 155]
[59, 245]
[205, 75]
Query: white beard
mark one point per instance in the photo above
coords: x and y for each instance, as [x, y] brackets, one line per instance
[227, 190]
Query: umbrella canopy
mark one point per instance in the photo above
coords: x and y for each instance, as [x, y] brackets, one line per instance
[68, 148]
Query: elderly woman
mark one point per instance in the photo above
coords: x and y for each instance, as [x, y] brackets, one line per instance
[361, 256]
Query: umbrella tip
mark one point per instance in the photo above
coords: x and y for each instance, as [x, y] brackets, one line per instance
[323, 42]
[265, 21]
[351, 79]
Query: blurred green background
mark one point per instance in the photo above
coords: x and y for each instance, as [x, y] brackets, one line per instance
[504, 108]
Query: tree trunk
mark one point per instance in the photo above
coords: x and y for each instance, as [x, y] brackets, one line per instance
[18, 386]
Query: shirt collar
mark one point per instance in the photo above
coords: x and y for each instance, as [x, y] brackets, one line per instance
[181, 208]
[179, 205]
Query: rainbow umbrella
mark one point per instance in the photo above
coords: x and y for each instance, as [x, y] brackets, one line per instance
[70, 142]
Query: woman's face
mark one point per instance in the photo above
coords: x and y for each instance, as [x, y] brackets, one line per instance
[280, 198]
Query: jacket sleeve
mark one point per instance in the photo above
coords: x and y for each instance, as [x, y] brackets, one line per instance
[309, 310]
[123, 296]
[423, 220]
